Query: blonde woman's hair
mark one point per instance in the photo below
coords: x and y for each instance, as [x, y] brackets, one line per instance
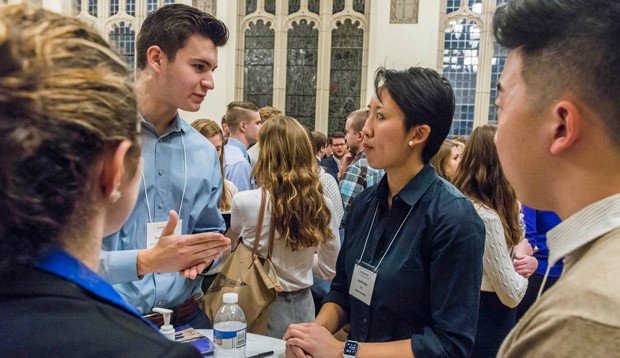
[208, 129]
[286, 167]
[66, 98]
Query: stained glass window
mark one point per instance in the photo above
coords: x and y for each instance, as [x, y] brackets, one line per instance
[338, 6]
[258, 64]
[460, 66]
[314, 6]
[92, 7]
[346, 73]
[130, 7]
[301, 67]
[113, 7]
[270, 6]
[151, 5]
[497, 66]
[293, 6]
[453, 5]
[250, 6]
[122, 37]
[358, 5]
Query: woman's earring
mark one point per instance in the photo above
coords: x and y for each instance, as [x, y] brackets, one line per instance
[116, 194]
[411, 143]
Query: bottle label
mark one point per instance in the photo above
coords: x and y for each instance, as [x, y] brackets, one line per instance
[229, 339]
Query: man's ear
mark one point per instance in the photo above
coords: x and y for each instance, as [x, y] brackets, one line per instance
[154, 56]
[360, 136]
[242, 126]
[566, 126]
[112, 169]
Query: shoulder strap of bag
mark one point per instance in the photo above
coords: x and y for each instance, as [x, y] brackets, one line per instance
[259, 226]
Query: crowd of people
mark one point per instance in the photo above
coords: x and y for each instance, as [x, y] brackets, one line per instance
[504, 243]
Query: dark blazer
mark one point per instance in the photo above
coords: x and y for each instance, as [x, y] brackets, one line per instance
[43, 315]
[330, 164]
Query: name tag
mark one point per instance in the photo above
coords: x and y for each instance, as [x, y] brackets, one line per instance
[153, 231]
[362, 284]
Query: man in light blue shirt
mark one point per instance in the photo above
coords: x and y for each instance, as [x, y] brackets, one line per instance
[243, 122]
[174, 231]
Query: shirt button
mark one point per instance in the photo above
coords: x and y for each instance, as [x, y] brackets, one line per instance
[160, 205]
[161, 172]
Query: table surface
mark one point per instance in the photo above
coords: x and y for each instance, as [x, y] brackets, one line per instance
[258, 344]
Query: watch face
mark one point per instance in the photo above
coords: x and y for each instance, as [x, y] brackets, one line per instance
[350, 348]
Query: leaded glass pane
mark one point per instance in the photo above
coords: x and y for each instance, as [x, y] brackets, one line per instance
[345, 75]
[76, 7]
[250, 6]
[314, 6]
[293, 6]
[258, 65]
[500, 2]
[151, 5]
[453, 5]
[358, 5]
[130, 7]
[122, 37]
[497, 66]
[475, 6]
[270, 6]
[92, 7]
[168, 2]
[301, 69]
[338, 6]
[460, 66]
[113, 7]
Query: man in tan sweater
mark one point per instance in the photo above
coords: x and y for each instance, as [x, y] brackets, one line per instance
[559, 143]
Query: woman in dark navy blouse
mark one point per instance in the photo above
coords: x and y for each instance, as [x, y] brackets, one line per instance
[408, 274]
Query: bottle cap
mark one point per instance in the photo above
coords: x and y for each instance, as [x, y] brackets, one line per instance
[231, 297]
[167, 329]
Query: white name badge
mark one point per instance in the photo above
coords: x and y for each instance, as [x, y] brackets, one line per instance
[153, 231]
[362, 284]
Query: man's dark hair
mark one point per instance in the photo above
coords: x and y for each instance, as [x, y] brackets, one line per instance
[319, 140]
[336, 135]
[567, 46]
[170, 26]
[425, 97]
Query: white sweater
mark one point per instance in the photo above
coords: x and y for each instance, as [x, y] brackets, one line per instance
[498, 274]
[294, 268]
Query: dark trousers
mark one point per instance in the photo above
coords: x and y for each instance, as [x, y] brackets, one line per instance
[533, 285]
[495, 320]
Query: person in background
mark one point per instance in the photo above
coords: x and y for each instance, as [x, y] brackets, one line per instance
[301, 219]
[210, 130]
[558, 142]
[70, 172]
[265, 113]
[339, 147]
[537, 223]
[408, 274]
[447, 159]
[481, 179]
[356, 174]
[174, 231]
[244, 123]
[329, 162]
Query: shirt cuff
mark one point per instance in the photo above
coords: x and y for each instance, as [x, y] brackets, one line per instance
[122, 266]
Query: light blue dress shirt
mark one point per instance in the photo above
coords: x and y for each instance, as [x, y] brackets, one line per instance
[165, 170]
[237, 167]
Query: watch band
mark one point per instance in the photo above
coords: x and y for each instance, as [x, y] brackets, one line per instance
[350, 349]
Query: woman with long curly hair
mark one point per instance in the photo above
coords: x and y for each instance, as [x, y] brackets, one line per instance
[481, 178]
[447, 159]
[300, 217]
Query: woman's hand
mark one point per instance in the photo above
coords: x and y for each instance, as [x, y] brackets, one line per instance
[523, 249]
[312, 340]
[525, 265]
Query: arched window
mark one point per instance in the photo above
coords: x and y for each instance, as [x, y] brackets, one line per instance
[323, 54]
[123, 38]
[470, 61]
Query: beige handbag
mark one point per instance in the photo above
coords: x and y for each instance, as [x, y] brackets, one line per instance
[253, 277]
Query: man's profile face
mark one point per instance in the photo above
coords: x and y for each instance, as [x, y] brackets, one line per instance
[352, 137]
[520, 137]
[252, 126]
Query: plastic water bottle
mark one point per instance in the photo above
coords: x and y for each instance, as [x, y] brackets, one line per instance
[229, 330]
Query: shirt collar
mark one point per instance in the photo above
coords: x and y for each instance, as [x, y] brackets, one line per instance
[62, 264]
[177, 125]
[588, 224]
[236, 143]
[413, 190]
